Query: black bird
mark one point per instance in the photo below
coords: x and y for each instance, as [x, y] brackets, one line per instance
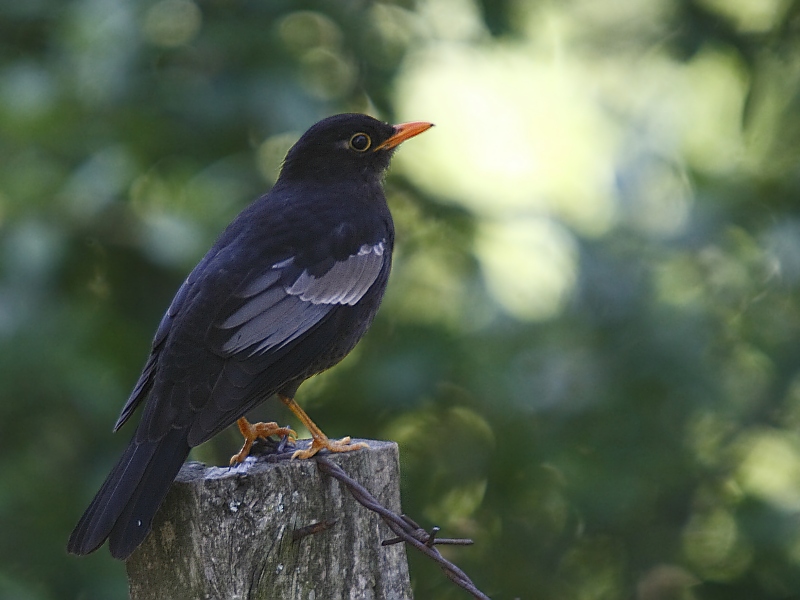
[286, 292]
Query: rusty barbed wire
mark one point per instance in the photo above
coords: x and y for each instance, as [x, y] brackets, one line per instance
[428, 537]
[404, 528]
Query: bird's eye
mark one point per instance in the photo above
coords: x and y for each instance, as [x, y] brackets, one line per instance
[360, 142]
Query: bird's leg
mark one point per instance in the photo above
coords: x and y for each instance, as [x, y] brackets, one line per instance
[318, 439]
[252, 431]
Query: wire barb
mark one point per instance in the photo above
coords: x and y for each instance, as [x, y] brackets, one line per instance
[404, 528]
[428, 538]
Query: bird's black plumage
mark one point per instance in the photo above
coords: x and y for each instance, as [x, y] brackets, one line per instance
[286, 292]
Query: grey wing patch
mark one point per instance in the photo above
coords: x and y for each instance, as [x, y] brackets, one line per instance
[273, 324]
[346, 282]
[256, 307]
[275, 313]
[267, 280]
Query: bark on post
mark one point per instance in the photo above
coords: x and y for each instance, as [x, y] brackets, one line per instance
[233, 534]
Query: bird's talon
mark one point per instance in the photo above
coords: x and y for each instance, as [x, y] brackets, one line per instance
[252, 431]
[323, 443]
[237, 459]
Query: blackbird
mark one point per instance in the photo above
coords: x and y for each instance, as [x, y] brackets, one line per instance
[286, 292]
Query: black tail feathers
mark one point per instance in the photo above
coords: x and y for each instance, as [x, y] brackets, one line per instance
[123, 509]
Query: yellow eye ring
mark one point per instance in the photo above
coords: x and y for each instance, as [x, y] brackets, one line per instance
[360, 142]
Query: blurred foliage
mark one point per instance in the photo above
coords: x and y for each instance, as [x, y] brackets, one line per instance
[589, 349]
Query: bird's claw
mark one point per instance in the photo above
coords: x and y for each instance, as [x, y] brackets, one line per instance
[323, 443]
[252, 431]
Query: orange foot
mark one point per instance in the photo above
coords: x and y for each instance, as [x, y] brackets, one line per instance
[252, 431]
[319, 440]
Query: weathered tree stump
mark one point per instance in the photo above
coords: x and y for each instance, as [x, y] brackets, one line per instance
[274, 529]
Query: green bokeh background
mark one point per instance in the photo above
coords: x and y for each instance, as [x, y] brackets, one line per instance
[589, 348]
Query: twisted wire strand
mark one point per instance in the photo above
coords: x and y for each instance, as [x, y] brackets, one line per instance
[404, 528]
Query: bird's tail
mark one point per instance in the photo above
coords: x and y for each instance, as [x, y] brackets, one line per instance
[123, 509]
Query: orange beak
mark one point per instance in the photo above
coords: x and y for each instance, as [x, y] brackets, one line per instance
[403, 132]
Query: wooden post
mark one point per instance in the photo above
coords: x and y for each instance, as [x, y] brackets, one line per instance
[274, 530]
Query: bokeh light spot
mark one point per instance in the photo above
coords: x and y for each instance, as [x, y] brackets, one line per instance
[172, 23]
[529, 264]
[770, 467]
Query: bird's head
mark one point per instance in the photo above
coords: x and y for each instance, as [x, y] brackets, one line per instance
[347, 145]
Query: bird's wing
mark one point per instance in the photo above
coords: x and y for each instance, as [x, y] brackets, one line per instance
[254, 326]
[283, 303]
[145, 382]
